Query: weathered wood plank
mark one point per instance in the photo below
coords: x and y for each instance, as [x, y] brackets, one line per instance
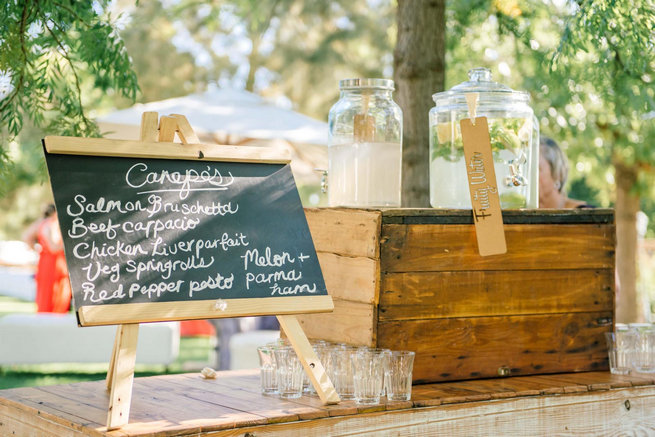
[357, 279]
[594, 413]
[152, 410]
[228, 407]
[349, 232]
[481, 347]
[351, 322]
[141, 312]
[591, 403]
[247, 397]
[415, 248]
[33, 413]
[596, 380]
[510, 217]
[433, 295]
[122, 367]
[249, 381]
[164, 150]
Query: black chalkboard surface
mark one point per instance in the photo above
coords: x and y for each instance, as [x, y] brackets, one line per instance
[154, 231]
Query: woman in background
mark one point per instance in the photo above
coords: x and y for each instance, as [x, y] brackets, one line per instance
[553, 172]
[53, 290]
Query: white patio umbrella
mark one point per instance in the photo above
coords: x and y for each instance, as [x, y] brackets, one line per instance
[229, 116]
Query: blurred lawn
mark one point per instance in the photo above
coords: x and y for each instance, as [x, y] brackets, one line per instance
[195, 353]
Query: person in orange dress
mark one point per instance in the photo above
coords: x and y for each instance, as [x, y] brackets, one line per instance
[53, 289]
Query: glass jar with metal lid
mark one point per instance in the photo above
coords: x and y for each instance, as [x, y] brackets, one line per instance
[514, 134]
[364, 145]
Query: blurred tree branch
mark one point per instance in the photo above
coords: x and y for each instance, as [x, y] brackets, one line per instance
[52, 54]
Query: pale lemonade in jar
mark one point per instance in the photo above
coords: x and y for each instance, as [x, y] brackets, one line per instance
[364, 145]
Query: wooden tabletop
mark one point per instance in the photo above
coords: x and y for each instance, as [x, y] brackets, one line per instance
[593, 403]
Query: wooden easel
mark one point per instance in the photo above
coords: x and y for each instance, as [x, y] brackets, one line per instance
[120, 375]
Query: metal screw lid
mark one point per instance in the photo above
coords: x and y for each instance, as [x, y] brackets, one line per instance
[348, 84]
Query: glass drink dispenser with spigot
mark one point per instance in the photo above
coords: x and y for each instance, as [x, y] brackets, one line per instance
[364, 145]
[514, 134]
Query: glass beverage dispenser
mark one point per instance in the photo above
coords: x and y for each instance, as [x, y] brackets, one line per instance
[364, 145]
[514, 134]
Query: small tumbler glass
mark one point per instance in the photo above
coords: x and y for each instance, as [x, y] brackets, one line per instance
[621, 348]
[320, 349]
[289, 372]
[267, 369]
[398, 376]
[645, 348]
[368, 375]
[341, 370]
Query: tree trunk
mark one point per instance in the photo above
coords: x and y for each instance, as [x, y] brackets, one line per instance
[628, 307]
[253, 63]
[419, 71]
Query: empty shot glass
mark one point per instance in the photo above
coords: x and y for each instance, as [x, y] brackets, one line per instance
[368, 375]
[398, 376]
[289, 372]
[621, 350]
[267, 369]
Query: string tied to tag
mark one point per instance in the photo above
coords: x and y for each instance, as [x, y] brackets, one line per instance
[472, 102]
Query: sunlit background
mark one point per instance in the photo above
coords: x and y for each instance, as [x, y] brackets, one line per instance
[290, 55]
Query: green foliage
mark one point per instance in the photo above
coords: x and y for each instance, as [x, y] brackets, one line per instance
[504, 134]
[608, 46]
[580, 189]
[54, 52]
[298, 49]
[163, 70]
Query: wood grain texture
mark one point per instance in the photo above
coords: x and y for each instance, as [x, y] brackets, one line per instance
[467, 348]
[124, 359]
[167, 128]
[184, 130]
[590, 403]
[94, 315]
[35, 413]
[407, 248]
[347, 232]
[351, 322]
[414, 216]
[149, 126]
[112, 360]
[433, 295]
[351, 278]
[163, 150]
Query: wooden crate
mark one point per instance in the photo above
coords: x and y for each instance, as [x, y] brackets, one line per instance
[412, 279]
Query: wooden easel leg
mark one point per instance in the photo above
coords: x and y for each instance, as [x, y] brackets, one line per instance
[112, 361]
[122, 377]
[309, 360]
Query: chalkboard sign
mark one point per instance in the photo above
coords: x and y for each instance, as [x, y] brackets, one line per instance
[143, 235]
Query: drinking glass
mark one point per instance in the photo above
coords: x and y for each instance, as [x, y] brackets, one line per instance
[398, 376]
[645, 348]
[621, 349]
[368, 375]
[341, 370]
[319, 346]
[267, 369]
[289, 372]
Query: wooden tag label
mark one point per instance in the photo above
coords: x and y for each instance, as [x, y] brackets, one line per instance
[482, 186]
